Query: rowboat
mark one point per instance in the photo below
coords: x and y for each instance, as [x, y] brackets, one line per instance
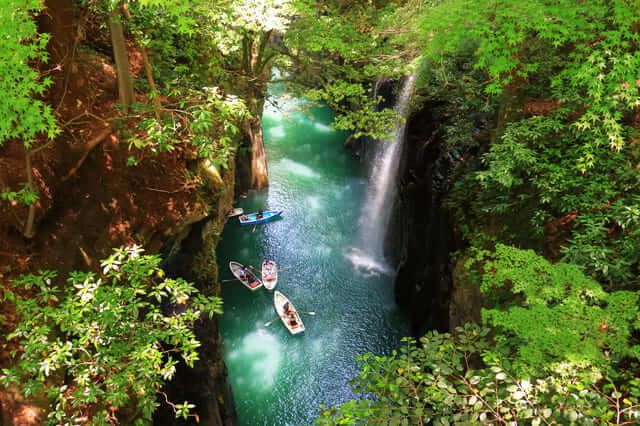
[259, 217]
[235, 212]
[269, 274]
[287, 313]
[245, 276]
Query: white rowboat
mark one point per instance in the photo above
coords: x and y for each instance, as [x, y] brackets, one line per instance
[290, 317]
[269, 274]
[245, 275]
[235, 212]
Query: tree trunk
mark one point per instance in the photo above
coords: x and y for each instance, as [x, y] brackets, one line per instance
[259, 171]
[155, 97]
[31, 215]
[125, 82]
[254, 72]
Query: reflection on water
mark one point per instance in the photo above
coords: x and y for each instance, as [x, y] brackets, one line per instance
[277, 378]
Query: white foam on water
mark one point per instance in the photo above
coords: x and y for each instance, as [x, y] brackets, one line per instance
[263, 355]
[323, 250]
[298, 169]
[314, 202]
[319, 348]
[271, 114]
[367, 265]
[277, 132]
[324, 128]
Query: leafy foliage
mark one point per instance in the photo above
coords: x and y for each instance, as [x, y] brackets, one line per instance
[105, 342]
[530, 171]
[581, 61]
[342, 51]
[24, 195]
[209, 122]
[554, 313]
[597, 40]
[22, 115]
[323, 50]
[462, 379]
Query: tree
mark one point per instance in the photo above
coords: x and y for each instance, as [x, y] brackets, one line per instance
[23, 117]
[101, 346]
[341, 51]
[560, 83]
[243, 35]
[322, 50]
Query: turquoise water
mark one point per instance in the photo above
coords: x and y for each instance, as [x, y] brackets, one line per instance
[277, 378]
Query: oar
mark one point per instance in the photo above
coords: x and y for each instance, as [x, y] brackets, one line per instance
[304, 312]
[285, 268]
[267, 324]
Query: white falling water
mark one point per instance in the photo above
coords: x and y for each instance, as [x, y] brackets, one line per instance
[378, 204]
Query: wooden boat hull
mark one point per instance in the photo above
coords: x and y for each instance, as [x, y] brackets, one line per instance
[245, 276]
[254, 219]
[293, 322]
[269, 274]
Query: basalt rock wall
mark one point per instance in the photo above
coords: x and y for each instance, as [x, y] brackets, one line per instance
[423, 239]
[431, 286]
[192, 256]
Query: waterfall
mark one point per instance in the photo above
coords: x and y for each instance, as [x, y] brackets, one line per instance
[381, 193]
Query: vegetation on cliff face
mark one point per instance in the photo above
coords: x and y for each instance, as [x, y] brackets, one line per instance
[540, 101]
[105, 133]
[460, 378]
[539, 105]
[23, 117]
[102, 347]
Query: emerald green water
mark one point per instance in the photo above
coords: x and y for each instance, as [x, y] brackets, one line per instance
[277, 378]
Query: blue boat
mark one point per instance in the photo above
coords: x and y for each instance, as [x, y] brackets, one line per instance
[261, 216]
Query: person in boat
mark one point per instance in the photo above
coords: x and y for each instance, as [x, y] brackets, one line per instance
[260, 214]
[290, 314]
[244, 273]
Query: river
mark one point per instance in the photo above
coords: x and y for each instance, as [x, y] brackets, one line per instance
[277, 378]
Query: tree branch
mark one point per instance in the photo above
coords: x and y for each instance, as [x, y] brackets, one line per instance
[87, 150]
